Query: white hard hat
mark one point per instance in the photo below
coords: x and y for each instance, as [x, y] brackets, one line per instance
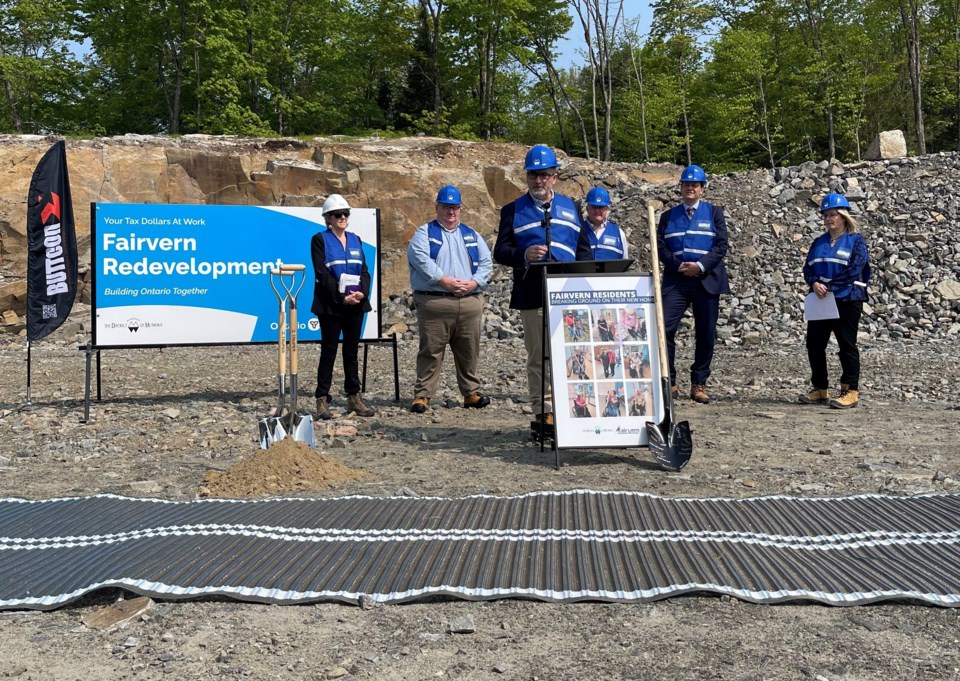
[335, 202]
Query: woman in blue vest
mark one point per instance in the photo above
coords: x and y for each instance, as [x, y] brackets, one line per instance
[607, 240]
[341, 297]
[838, 263]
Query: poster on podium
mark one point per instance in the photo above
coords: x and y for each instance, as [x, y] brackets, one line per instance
[603, 358]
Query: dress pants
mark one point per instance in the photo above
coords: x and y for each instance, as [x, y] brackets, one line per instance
[845, 329]
[533, 342]
[685, 292]
[443, 320]
[331, 327]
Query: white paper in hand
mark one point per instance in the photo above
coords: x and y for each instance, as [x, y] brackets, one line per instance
[349, 283]
[815, 308]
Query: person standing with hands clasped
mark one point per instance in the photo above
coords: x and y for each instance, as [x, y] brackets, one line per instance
[449, 266]
[839, 264]
[692, 242]
[522, 240]
[607, 240]
[341, 296]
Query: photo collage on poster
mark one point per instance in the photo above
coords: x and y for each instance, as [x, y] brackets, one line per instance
[607, 355]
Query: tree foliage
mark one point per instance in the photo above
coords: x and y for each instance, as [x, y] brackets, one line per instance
[727, 85]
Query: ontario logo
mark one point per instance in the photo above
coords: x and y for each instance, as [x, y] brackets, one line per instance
[313, 324]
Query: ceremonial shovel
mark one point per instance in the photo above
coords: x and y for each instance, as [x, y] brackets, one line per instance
[671, 443]
[287, 422]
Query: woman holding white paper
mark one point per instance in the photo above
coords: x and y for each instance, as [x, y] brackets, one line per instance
[341, 293]
[838, 264]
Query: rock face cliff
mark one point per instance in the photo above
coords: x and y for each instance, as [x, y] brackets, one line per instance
[910, 217]
[401, 177]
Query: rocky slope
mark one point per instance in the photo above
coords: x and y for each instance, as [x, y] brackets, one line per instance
[911, 221]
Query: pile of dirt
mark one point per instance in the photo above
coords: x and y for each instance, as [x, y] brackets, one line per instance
[287, 466]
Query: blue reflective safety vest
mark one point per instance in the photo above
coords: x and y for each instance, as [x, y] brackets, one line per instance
[826, 262]
[610, 245]
[340, 261]
[435, 237]
[691, 239]
[564, 226]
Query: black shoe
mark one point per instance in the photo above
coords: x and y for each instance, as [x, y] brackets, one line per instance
[419, 405]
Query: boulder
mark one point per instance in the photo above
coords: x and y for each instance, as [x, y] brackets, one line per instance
[13, 296]
[948, 290]
[888, 144]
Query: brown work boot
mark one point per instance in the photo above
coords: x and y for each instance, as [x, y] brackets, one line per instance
[547, 418]
[674, 392]
[419, 405]
[815, 396]
[476, 401]
[323, 409]
[846, 399]
[698, 393]
[356, 405]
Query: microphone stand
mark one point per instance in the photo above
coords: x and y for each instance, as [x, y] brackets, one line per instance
[546, 229]
[544, 355]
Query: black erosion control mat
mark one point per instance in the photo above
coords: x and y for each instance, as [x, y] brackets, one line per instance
[552, 546]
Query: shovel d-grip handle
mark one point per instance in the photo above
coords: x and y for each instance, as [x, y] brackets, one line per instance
[288, 279]
[281, 317]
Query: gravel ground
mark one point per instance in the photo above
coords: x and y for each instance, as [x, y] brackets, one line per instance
[169, 416]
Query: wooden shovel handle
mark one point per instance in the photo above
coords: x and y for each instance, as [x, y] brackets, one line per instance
[293, 338]
[657, 293]
[282, 341]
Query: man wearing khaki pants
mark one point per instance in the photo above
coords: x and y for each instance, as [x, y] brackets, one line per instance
[521, 241]
[449, 266]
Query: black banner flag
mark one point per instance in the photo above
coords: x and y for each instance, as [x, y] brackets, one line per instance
[51, 244]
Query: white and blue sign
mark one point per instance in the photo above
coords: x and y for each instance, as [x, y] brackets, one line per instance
[198, 274]
[603, 350]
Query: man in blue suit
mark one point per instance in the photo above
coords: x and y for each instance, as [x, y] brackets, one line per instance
[692, 242]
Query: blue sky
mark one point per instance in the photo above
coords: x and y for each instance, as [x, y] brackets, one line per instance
[569, 46]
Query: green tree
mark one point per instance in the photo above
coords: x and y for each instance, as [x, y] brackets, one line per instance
[679, 26]
[148, 56]
[40, 78]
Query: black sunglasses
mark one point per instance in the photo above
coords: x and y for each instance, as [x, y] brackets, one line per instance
[336, 215]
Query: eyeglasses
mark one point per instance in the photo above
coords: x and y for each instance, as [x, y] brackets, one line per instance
[339, 215]
[543, 177]
[451, 208]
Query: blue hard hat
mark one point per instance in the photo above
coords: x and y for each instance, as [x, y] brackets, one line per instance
[449, 195]
[693, 174]
[540, 157]
[598, 196]
[831, 201]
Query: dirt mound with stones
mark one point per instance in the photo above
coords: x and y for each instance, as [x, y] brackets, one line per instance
[287, 466]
